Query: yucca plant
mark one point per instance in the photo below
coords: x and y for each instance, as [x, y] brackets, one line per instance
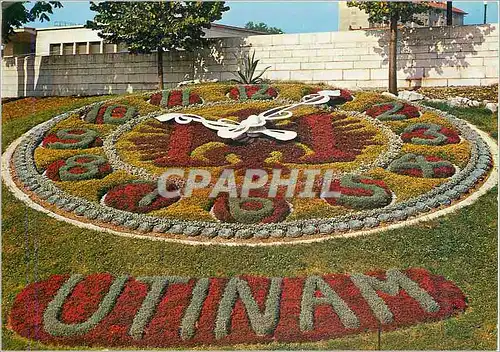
[247, 76]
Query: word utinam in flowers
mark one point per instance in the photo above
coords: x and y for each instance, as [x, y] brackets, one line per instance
[249, 164]
[102, 310]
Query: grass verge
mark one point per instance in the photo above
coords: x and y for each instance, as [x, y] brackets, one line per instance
[461, 246]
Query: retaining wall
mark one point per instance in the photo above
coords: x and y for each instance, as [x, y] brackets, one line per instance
[439, 56]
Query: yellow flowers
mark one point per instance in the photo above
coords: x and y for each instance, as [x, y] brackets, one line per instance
[427, 117]
[212, 92]
[314, 208]
[458, 154]
[30, 106]
[405, 187]
[94, 189]
[44, 156]
[365, 100]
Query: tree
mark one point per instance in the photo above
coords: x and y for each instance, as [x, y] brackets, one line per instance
[15, 15]
[262, 27]
[155, 26]
[449, 13]
[392, 13]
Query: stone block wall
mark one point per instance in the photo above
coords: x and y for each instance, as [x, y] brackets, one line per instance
[439, 56]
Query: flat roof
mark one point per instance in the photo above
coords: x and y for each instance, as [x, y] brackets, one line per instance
[55, 28]
[215, 25]
[29, 30]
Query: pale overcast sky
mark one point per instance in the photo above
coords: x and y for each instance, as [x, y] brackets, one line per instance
[291, 17]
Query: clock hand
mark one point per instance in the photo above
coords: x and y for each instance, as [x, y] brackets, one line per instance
[250, 123]
[225, 128]
[281, 135]
[253, 124]
[282, 112]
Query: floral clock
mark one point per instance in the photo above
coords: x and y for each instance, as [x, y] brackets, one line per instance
[356, 162]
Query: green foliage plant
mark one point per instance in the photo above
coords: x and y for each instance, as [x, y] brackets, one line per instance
[248, 74]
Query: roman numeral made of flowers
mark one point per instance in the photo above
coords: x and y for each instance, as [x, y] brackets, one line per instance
[253, 125]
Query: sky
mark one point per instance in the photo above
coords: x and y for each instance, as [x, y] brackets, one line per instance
[291, 17]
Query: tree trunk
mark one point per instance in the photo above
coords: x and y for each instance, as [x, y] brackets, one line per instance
[160, 68]
[393, 41]
[449, 13]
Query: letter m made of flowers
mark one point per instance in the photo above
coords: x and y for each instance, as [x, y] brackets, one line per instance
[395, 280]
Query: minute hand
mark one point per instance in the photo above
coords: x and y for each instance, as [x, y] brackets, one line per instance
[283, 112]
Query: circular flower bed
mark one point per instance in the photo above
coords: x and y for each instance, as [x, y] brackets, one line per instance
[361, 164]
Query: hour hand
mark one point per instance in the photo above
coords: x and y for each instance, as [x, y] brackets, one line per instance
[232, 132]
[281, 135]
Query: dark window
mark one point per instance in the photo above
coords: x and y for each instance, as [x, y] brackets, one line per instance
[81, 48]
[68, 49]
[122, 48]
[55, 49]
[109, 48]
[95, 47]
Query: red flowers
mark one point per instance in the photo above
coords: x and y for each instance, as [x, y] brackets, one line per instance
[430, 134]
[344, 97]
[171, 98]
[104, 113]
[52, 170]
[255, 92]
[138, 197]
[78, 168]
[393, 111]
[425, 297]
[422, 166]
[333, 138]
[255, 209]
[76, 138]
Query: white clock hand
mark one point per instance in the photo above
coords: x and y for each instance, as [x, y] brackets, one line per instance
[282, 112]
[281, 135]
[253, 124]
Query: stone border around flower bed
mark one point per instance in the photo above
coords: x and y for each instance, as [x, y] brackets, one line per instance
[20, 153]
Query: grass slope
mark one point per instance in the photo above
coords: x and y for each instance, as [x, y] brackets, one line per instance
[461, 246]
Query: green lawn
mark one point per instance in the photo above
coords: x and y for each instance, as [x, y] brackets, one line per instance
[462, 247]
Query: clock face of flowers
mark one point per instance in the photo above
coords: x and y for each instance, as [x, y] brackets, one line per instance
[359, 161]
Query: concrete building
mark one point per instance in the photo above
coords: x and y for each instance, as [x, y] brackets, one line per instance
[74, 40]
[354, 18]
